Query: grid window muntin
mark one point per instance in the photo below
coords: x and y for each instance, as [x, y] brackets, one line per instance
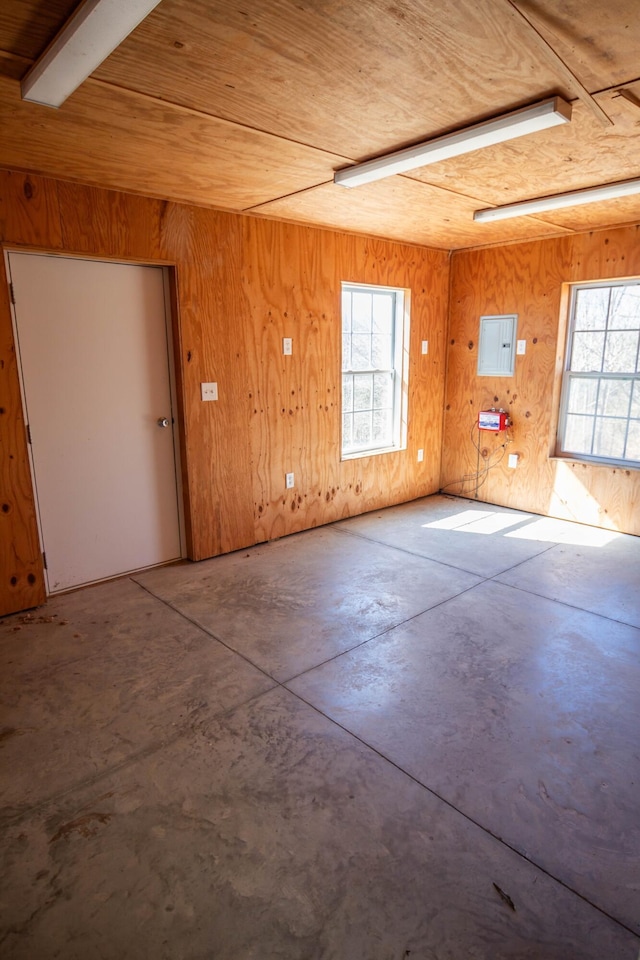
[600, 413]
[373, 339]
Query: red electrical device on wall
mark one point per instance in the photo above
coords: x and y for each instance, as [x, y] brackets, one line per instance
[493, 420]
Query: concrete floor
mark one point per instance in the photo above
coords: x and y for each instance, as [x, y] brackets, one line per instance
[413, 734]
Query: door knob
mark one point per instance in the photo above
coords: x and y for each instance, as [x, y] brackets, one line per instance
[163, 422]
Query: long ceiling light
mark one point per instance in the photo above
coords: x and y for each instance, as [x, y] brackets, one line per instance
[518, 123]
[574, 198]
[93, 32]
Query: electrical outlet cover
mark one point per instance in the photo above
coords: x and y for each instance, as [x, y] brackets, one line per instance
[209, 391]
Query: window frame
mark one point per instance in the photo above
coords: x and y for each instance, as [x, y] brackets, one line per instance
[569, 376]
[400, 370]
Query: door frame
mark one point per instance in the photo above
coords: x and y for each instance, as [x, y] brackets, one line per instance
[176, 392]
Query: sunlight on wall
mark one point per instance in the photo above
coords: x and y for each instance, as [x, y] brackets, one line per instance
[571, 500]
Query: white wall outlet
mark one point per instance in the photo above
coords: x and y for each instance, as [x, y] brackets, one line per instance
[521, 347]
[420, 455]
[289, 481]
[425, 346]
[287, 346]
[209, 391]
[513, 460]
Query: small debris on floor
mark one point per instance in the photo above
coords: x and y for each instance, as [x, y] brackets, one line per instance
[505, 897]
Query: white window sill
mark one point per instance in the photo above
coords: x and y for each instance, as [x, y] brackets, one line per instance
[360, 454]
[592, 462]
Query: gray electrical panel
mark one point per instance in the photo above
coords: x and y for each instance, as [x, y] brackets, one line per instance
[497, 345]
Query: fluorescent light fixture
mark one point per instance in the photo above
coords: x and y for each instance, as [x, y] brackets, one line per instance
[518, 123]
[574, 198]
[93, 32]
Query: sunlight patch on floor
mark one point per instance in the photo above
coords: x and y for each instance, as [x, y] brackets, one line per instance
[549, 530]
[542, 529]
[478, 521]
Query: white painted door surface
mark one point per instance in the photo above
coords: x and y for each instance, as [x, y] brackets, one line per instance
[92, 340]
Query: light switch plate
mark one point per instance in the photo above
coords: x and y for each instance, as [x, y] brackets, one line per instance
[287, 346]
[420, 455]
[521, 347]
[209, 391]
[513, 460]
[425, 346]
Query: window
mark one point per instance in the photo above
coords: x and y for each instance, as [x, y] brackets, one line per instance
[600, 417]
[375, 343]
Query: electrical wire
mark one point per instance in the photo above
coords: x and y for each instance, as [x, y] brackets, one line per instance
[480, 475]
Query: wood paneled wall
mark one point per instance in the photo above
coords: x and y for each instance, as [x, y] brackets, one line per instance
[241, 285]
[528, 279]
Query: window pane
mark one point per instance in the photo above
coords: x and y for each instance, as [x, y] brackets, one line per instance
[609, 438]
[382, 427]
[635, 400]
[591, 308]
[624, 313]
[363, 392]
[347, 393]
[360, 352]
[361, 313]
[578, 433]
[347, 430]
[582, 396]
[613, 399]
[383, 308]
[346, 312]
[383, 391]
[346, 352]
[633, 441]
[361, 429]
[587, 352]
[621, 352]
[381, 353]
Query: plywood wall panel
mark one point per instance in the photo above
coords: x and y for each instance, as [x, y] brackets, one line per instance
[214, 348]
[28, 215]
[21, 573]
[295, 427]
[29, 211]
[117, 224]
[528, 279]
[293, 279]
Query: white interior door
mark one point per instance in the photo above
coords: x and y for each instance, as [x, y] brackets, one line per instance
[93, 348]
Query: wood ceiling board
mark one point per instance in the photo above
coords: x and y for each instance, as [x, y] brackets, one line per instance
[594, 216]
[108, 137]
[598, 40]
[578, 154]
[13, 67]
[402, 209]
[351, 78]
[28, 26]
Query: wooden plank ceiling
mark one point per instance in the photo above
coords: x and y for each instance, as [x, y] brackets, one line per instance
[251, 105]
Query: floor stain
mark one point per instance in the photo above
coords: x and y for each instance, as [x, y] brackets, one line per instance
[86, 826]
[7, 732]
